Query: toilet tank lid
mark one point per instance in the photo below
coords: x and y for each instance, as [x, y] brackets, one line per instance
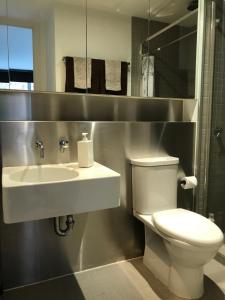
[155, 161]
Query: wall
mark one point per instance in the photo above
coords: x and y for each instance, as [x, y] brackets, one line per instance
[187, 59]
[69, 107]
[108, 37]
[69, 37]
[31, 251]
[3, 8]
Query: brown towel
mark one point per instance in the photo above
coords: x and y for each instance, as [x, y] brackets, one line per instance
[97, 78]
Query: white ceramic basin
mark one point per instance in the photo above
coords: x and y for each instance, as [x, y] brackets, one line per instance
[41, 174]
[45, 191]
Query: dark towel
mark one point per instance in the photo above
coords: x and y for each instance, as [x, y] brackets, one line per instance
[97, 78]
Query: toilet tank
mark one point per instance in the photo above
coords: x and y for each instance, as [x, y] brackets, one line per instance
[154, 184]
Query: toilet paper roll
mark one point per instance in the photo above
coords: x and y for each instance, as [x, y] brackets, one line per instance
[189, 182]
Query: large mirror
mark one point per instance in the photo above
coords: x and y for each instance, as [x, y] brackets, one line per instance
[171, 49]
[4, 72]
[40, 34]
[141, 48]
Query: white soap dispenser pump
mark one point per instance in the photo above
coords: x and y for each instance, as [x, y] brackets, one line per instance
[85, 152]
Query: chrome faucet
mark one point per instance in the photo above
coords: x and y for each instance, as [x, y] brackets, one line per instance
[63, 144]
[39, 145]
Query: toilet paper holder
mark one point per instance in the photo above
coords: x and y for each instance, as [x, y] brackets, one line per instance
[188, 182]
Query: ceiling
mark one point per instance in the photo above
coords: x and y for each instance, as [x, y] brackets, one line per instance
[161, 10]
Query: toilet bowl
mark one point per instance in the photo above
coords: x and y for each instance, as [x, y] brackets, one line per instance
[188, 246]
[178, 242]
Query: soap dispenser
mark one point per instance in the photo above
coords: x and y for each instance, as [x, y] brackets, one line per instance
[85, 152]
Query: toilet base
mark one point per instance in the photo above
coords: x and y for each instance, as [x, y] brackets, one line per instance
[186, 282]
[182, 281]
[156, 257]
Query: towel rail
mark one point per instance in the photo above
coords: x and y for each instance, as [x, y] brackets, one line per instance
[64, 59]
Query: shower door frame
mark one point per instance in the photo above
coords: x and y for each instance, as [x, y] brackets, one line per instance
[205, 107]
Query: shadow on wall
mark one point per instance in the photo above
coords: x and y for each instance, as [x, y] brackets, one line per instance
[36, 253]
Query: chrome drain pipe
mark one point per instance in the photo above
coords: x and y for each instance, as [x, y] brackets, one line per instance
[69, 225]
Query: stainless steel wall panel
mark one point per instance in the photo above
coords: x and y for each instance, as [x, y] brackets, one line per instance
[31, 251]
[39, 106]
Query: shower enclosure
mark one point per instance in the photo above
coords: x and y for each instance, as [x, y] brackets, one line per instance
[211, 194]
[216, 181]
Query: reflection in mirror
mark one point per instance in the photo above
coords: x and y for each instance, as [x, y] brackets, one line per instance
[109, 47]
[109, 43]
[4, 74]
[41, 33]
[20, 58]
[167, 52]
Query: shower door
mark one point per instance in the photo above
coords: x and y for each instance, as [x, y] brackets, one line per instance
[216, 165]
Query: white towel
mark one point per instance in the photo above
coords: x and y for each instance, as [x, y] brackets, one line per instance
[80, 69]
[147, 80]
[113, 75]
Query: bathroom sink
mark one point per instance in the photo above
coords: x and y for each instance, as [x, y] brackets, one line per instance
[42, 174]
[45, 191]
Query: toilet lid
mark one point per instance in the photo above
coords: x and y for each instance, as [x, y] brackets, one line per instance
[188, 226]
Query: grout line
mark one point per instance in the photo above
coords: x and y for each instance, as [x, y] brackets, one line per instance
[37, 282]
[220, 259]
[220, 256]
[114, 263]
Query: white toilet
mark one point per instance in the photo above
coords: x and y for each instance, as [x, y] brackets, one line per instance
[178, 242]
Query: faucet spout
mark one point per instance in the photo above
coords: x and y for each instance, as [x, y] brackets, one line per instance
[40, 146]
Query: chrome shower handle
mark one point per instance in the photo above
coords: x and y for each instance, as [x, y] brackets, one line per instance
[63, 144]
[217, 132]
[40, 146]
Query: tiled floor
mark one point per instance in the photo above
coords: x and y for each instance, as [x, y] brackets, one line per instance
[129, 280]
[216, 272]
[222, 250]
[220, 257]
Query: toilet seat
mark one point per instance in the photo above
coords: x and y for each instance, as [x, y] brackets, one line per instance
[189, 227]
[148, 221]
